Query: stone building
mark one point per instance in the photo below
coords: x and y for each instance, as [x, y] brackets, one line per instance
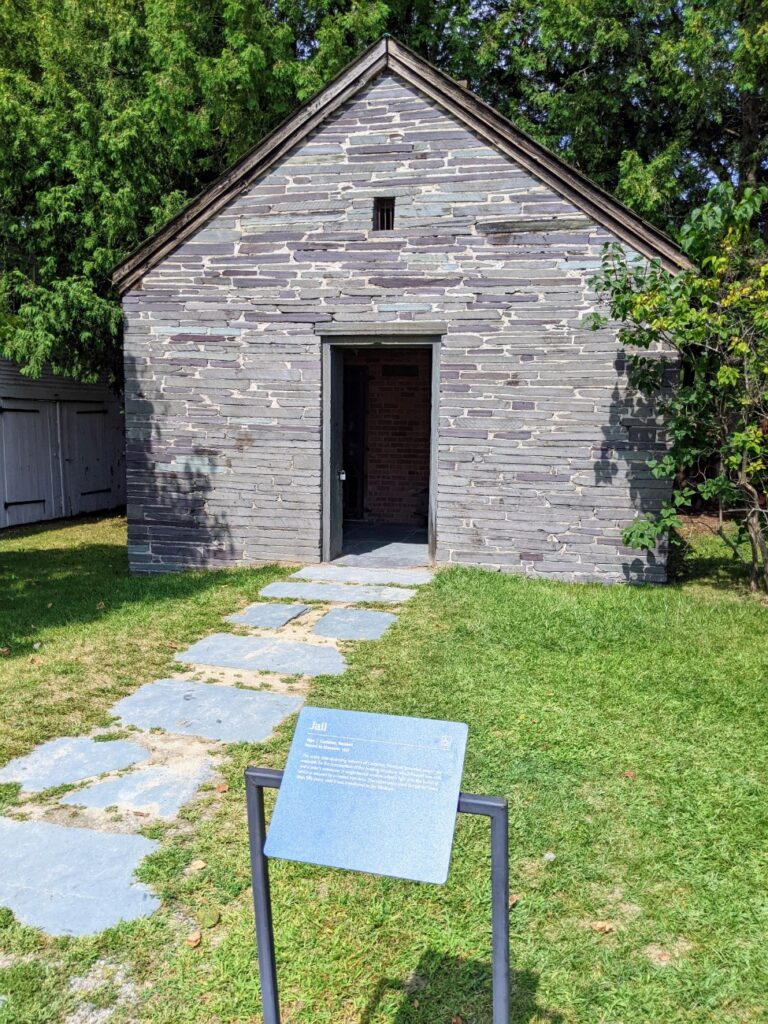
[371, 329]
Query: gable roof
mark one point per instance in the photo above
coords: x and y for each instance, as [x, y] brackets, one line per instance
[390, 56]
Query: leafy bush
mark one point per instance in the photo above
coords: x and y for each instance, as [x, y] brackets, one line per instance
[702, 337]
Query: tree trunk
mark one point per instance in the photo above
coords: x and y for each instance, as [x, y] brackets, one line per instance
[758, 545]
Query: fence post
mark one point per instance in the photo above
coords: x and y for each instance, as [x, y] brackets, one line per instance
[262, 904]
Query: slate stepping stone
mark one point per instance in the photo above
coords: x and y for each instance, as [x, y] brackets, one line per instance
[72, 881]
[383, 559]
[201, 709]
[268, 616]
[354, 624]
[265, 654]
[364, 574]
[345, 593]
[70, 759]
[157, 790]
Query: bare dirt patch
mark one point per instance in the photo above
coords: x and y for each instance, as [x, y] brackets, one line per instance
[106, 982]
[667, 956]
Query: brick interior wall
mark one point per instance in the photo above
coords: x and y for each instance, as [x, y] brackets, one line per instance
[397, 433]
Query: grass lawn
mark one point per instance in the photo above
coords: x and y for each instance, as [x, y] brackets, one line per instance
[627, 727]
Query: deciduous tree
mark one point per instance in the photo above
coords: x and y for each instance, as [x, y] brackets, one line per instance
[709, 326]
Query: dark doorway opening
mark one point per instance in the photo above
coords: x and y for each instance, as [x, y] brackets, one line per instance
[386, 439]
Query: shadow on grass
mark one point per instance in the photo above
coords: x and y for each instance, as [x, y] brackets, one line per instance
[445, 988]
[45, 588]
[53, 585]
[705, 558]
[64, 523]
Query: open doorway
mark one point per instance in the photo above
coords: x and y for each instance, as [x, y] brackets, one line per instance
[381, 452]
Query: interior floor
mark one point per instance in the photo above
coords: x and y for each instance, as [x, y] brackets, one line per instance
[384, 544]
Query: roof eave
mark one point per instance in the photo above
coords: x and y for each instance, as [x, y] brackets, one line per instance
[387, 54]
[252, 164]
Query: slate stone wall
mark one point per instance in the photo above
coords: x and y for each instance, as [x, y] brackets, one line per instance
[541, 447]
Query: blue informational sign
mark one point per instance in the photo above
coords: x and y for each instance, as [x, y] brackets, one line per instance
[366, 792]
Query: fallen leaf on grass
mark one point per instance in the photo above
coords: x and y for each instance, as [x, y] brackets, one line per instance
[208, 918]
[514, 899]
[100, 606]
[455, 1019]
[549, 856]
[5, 651]
[198, 865]
[602, 927]
[36, 661]
[630, 774]
[222, 787]
[194, 939]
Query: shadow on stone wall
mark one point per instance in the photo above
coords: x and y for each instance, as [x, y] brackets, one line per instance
[175, 519]
[171, 524]
[631, 437]
[446, 987]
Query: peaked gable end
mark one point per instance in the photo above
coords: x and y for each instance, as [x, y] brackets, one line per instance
[395, 59]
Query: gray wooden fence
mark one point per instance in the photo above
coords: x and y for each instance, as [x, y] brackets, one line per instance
[61, 448]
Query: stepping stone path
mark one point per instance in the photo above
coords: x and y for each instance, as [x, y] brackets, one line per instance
[157, 791]
[199, 709]
[342, 593]
[267, 616]
[263, 654]
[72, 881]
[69, 860]
[69, 760]
[354, 624]
[344, 574]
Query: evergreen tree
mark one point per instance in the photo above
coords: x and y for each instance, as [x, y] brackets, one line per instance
[114, 113]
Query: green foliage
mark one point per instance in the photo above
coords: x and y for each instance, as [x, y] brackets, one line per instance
[652, 100]
[115, 113]
[702, 338]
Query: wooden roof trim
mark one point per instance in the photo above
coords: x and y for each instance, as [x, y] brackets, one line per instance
[387, 54]
[250, 166]
[598, 204]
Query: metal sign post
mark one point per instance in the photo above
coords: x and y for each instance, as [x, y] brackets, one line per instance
[493, 807]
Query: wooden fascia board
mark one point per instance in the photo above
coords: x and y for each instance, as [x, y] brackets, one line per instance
[600, 206]
[255, 163]
[388, 55]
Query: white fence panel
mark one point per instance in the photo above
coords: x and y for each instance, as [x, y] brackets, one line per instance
[30, 462]
[62, 448]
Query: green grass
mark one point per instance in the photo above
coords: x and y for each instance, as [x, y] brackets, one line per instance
[627, 727]
[80, 633]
